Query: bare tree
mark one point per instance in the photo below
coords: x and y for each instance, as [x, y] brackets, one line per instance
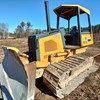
[4, 30]
[23, 30]
[18, 31]
[28, 29]
[22, 24]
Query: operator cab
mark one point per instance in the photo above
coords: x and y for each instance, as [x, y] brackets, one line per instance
[74, 37]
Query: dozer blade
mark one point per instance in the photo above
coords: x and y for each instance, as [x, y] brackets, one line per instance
[17, 79]
[63, 77]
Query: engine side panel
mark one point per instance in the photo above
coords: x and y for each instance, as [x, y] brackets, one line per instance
[50, 45]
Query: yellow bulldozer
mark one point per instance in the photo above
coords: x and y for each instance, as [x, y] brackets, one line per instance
[56, 55]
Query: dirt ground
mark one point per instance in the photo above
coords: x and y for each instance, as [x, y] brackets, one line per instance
[20, 43]
[89, 90]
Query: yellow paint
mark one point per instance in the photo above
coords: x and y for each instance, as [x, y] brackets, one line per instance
[13, 49]
[87, 39]
[63, 54]
[24, 60]
[41, 64]
[23, 57]
[57, 39]
[68, 52]
[81, 50]
[72, 6]
[17, 51]
[44, 62]
[82, 8]
[56, 59]
[75, 51]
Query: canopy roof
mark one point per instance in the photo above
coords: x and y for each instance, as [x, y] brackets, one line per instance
[68, 11]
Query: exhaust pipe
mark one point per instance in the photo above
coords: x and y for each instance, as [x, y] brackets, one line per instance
[47, 16]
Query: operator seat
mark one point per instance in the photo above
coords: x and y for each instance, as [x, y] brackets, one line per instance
[75, 35]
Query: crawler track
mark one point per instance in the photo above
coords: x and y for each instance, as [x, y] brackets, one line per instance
[63, 77]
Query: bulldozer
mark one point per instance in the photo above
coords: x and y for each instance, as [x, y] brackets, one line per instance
[56, 55]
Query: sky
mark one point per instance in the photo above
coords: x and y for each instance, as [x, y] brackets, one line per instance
[14, 12]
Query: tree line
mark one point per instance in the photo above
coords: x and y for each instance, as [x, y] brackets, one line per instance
[25, 29]
[96, 28]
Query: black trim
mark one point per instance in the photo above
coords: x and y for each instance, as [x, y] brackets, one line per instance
[90, 27]
[57, 22]
[47, 16]
[62, 31]
[32, 44]
[79, 28]
[47, 33]
[69, 26]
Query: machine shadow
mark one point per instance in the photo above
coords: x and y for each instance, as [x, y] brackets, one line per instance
[43, 88]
